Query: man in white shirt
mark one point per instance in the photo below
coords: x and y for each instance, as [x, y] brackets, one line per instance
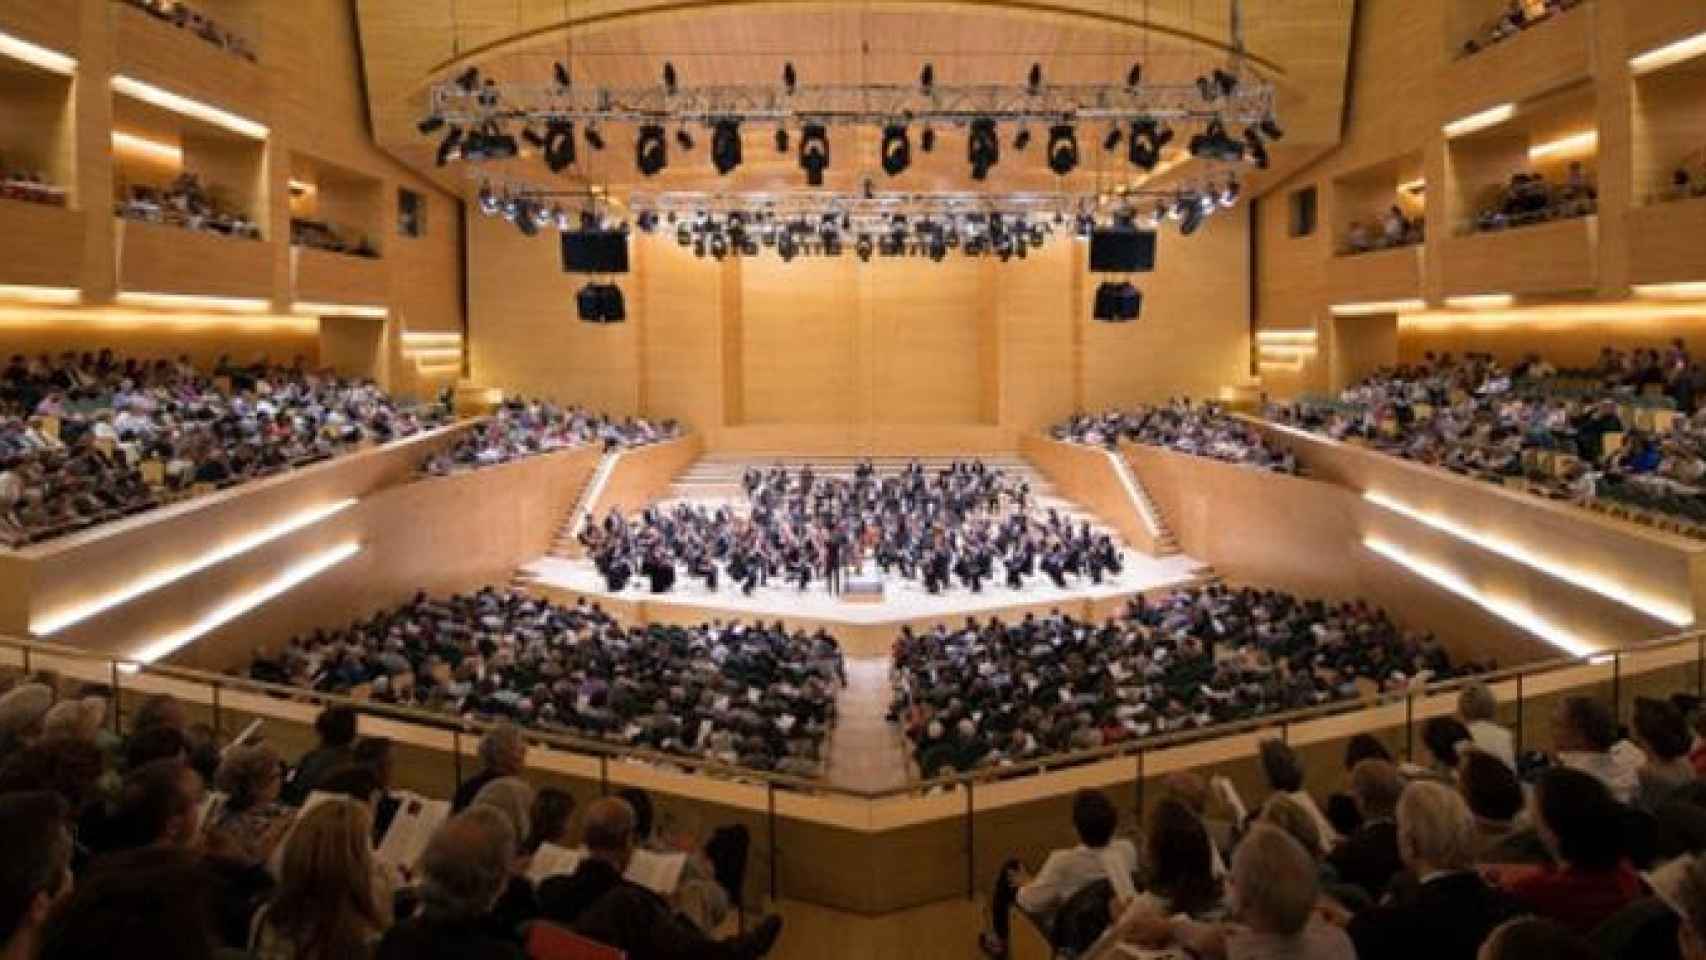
[1585, 733]
[1478, 710]
[1097, 857]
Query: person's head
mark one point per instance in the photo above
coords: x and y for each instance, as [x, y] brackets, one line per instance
[609, 831]
[552, 810]
[1281, 767]
[375, 753]
[1376, 786]
[1365, 746]
[644, 816]
[1661, 730]
[503, 750]
[250, 775]
[1275, 882]
[1584, 724]
[358, 781]
[326, 900]
[1290, 816]
[1094, 817]
[35, 873]
[1188, 788]
[336, 726]
[1578, 819]
[1442, 735]
[22, 709]
[79, 718]
[155, 743]
[140, 903]
[1528, 937]
[512, 797]
[1436, 831]
[159, 804]
[159, 710]
[1491, 789]
[1180, 858]
[467, 864]
[1476, 703]
[70, 768]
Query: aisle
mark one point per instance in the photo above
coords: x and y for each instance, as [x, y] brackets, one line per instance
[865, 751]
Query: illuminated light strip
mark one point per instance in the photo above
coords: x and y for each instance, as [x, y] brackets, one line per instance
[1481, 301]
[1652, 606]
[1693, 290]
[1491, 117]
[1128, 479]
[178, 301]
[1283, 350]
[340, 310]
[1576, 143]
[1291, 365]
[52, 61]
[153, 149]
[1657, 59]
[59, 620]
[1417, 185]
[431, 338]
[441, 370]
[439, 353]
[44, 295]
[302, 186]
[1505, 610]
[232, 609]
[1375, 308]
[167, 100]
[1285, 336]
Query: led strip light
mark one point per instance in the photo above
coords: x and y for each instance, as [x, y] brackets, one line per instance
[1651, 606]
[1510, 612]
[340, 310]
[1375, 308]
[1491, 117]
[52, 61]
[191, 301]
[60, 619]
[62, 296]
[195, 109]
[1685, 49]
[232, 609]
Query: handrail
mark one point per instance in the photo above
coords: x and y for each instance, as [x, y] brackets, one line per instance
[609, 751]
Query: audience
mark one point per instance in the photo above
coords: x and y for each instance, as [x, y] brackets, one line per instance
[92, 437]
[1529, 199]
[1627, 435]
[35, 874]
[321, 235]
[1200, 429]
[993, 694]
[30, 187]
[1393, 230]
[1371, 856]
[188, 18]
[526, 428]
[1519, 15]
[186, 202]
[758, 695]
[1098, 856]
[1589, 878]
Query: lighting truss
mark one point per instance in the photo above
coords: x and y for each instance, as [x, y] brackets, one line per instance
[869, 104]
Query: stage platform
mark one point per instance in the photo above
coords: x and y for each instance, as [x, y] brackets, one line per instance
[865, 629]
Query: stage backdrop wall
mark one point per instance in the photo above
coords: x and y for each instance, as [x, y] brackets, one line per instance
[758, 354]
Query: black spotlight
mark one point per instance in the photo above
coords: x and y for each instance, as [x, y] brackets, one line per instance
[651, 151]
[533, 137]
[1255, 149]
[669, 78]
[896, 149]
[983, 147]
[781, 139]
[451, 141]
[1134, 76]
[927, 78]
[927, 139]
[725, 145]
[1022, 139]
[1225, 83]
[469, 80]
[559, 145]
[1271, 128]
[863, 248]
[1062, 148]
[814, 152]
[560, 73]
[1112, 140]
[684, 138]
[594, 139]
[1034, 80]
[790, 79]
[430, 125]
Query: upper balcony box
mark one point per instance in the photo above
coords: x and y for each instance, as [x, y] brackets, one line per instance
[1654, 24]
[1549, 258]
[1547, 56]
[158, 53]
[171, 260]
[51, 25]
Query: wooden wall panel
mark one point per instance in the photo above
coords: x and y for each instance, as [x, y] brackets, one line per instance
[41, 245]
[177, 60]
[155, 258]
[1036, 307]
[1379, 277]
[927, 339]
[800, 325]
[52, 25]
[1549, 258]
[320, 276]
[1662, 242]
[683, 335]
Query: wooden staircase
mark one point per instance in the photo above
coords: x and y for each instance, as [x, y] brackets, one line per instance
[566, 544]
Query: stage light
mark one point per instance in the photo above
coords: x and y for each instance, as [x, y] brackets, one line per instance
[1062, 149]
[814, 152]
[725, 146]
[684, 138]
[1112, 140]
[448, 146]
[927, 78]
[790, 79]
[1022, 139]
[1229, 195]
[1191, 219]
[559, 145]
[430, 125]
[469, 80]
[1258, 153]
[927, 140]
[533, 137]
[1134, 76]
[651, 150]
[983, 147]
[560, 72]
[896, 149]
[594, 139]
[1034, 80]
[781, 139]
[1225, 83]
[669, 85]
[1206, 89]
[488, 201]
[1271, 128]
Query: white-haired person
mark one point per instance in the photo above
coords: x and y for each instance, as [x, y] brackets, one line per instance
[503, 753]
[1478, 709]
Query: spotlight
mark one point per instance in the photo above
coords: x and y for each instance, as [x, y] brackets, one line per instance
[488, 200]
[684, 138]
[1084, 225]
[594, 139]
[533, 137]
[927, 78]
[1229, 196]
[790, 80]
[1034, 80]
[1271, 128]
[719, 246]
[725, 145]
[669, 78]
[430, 125]
[1022, 139]
[1162, 136]
[1257, 151]
[814, 152]
[927, 140]
[560, 72]
[1225, 83]
[862, 247]
[983, 147]
[699, 247]
[1214, 144]
[683, 235]
[1062, 149]
[1206, 89]
[896, 149]
[651, 151]
[1134, 76]
[1112, 140]
[451, 141]
[469, 80]
[527, 219]
[1191, 218]
[781, 139]
[559, 145]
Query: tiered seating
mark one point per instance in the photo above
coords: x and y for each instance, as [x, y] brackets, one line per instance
[525, 428]
[1200, 429]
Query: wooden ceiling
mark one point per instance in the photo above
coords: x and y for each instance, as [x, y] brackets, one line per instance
[408, 45]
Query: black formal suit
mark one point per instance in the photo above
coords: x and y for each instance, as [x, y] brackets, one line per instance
[1445, 918]
[1369, 857]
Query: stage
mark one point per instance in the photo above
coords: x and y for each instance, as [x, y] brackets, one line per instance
[865, 629]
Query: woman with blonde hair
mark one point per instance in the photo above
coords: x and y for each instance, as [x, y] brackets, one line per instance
[330, 904]
[251, 822]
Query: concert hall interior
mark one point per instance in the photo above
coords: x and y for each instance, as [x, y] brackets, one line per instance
[902, 479]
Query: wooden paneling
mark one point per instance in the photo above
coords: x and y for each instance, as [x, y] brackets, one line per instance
[153, 51]
[927, 340]
[1536, 61]
[52, 25]
[1664, 242]
[1089, 476]
[1378, 277]
[160, 259]
[319, 276]
[643, 475]
[41, 245]
[683, 335]
[801, 332]
[1654, 23]
[1551, 258]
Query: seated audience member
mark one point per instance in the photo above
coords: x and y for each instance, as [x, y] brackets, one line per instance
[1099, 856]
[78, 718]
[1585, 735]
[1478, 710]
[1681, 886]
[464, 871]
[251, 821]
[76, 770]
[1445, 739]
[375, 754]
[22, 710]
[1532, 938]
[1284, 773]
[1200, 429]
[1273, 883]
[159, 711]
[1436, 838]
[148, 902]
[1589, 879]
[1179, 863]
[525, 428]
[1494, 795]
[698, 895]
[328, 905]
[553, 808]
[512, 798]
[1662, 734]
[503, 753]
[598, 902]
[35, 874]
[1190, 789]
[1370, 857]
[335, 727]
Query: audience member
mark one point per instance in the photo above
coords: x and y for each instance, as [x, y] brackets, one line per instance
[35, 873]
[1478, 711]
[1585, 735]
[1201, 429]
[1530, 938]
[1662, 734]
[464, 871]
[148, 902]
[328, 905]
[1580, 823]
[526, 428]
[251, 821]
[1371, 856]
[1098, 856]
[503, 753]
[1495, 797]
[335, 726]
[549, 820]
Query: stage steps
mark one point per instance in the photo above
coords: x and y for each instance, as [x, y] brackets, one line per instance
[1166, 542]
[565, 544]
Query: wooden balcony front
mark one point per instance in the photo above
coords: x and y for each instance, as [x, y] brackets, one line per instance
[320, 276]
[1378, 277]
[40, 245]
[154, 258]
[1550, 258]
[1541, 59]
